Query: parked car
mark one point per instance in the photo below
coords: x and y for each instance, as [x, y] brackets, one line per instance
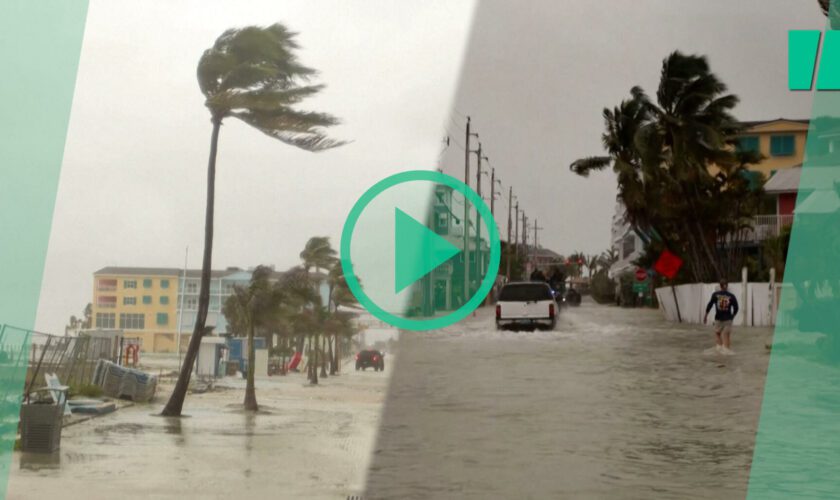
[370, 358]
[529, 304]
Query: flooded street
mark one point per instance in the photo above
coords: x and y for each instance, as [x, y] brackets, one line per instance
[306, 442]
[614, 403]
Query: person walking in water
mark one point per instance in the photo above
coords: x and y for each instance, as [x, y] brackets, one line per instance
[726, 307]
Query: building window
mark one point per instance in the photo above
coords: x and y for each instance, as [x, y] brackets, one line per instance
[191, 303]
[106, 320]
[782, 145]
[147, 283]
[164, 283]
[228, 288]
[132, 321]
[147, 299]
[164, 300]
[130, 284]
[628, 246]
[108, 302]
[749, 144]
[106, 285]
[129, 301]
[192, 287]
[162, 319]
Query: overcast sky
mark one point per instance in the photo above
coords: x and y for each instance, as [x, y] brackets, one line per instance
[535, 77]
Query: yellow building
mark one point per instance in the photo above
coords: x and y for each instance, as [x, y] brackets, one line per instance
[781, 143]
[140, 301]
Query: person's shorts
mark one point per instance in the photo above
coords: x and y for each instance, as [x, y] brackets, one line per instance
[723, 326]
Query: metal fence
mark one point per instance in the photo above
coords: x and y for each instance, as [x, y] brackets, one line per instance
[26, 355]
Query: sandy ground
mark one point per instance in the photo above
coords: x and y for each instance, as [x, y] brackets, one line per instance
[306, 442]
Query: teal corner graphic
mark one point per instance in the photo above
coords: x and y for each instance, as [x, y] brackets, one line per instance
[437, 266]
[418, 250]
[797, 448]
[802, 58]
[40, 43]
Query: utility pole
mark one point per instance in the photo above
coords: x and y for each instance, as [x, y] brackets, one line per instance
[536, 229]
[525, 242]
[493, 192]
[478, 259]
[510, 208]
[467, 213]
[524, 233]
[516, 233]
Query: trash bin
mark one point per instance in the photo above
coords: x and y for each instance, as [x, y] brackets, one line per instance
[40, 423]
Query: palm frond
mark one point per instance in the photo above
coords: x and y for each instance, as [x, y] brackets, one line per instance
[585, 165]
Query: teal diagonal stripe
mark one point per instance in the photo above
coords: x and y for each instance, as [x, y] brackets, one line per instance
[797, 450]
[802, 56]
[40, 42]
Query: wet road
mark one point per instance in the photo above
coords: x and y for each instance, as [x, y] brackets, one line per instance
[306, 442]
[614, 403]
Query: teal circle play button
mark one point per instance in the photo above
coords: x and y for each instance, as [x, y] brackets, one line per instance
[420, 250]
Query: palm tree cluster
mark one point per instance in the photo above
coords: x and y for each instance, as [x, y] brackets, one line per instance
[661, 151]
[288, 305]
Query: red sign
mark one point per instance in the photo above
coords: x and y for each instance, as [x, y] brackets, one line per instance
[641, 274]
[668, 264]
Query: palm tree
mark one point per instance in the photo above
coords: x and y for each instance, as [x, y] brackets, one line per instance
[318, 253]
[661, 152]
[250, 308]
[591, 265]
[607, 258]
[339, 294]
[251, 74]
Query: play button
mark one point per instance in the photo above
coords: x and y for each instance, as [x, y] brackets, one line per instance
[418, 252]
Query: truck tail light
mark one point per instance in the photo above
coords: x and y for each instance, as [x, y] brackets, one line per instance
[551, 311]
[498, 311]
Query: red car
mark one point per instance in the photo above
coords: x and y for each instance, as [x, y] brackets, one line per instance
[368, 358]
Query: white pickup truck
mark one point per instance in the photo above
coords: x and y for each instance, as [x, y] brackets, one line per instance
[526, 304]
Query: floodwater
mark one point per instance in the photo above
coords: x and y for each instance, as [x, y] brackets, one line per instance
[615, 403]
[306, 442]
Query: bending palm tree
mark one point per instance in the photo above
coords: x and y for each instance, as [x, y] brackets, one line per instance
[251, 74]
[318, 253]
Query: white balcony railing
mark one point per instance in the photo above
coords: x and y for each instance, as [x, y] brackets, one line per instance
[763, 227]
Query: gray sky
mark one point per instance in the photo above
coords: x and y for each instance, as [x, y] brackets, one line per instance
[535, 77]
[132, 187]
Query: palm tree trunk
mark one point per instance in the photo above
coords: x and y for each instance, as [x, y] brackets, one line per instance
[250, 402]
[337, 357]
[324, 356]
[331, 356]
[314, 359]
[179, 393]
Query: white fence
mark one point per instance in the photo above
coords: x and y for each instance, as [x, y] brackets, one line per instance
[758, 303]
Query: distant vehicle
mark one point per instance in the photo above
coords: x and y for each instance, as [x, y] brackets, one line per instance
[526, 304]
[370, 358]
[572, 297]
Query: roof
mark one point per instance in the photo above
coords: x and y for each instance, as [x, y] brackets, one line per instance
[542, 252]
[148, 271]
[191, 273]
[759, 123]
[784, 181]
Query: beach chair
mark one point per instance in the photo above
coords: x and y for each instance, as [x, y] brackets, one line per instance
[57, 391]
